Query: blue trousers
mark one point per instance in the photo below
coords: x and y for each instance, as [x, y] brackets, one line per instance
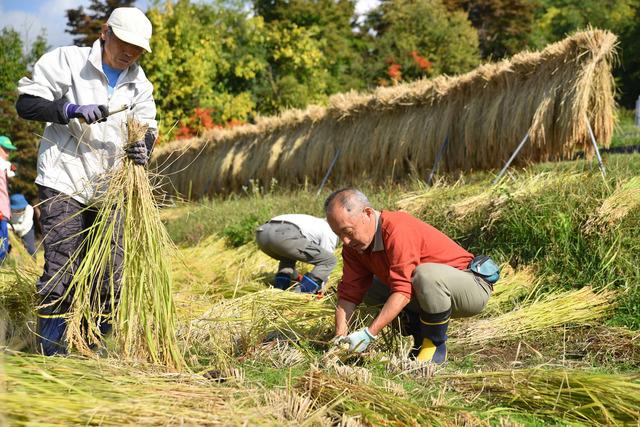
[4, 235]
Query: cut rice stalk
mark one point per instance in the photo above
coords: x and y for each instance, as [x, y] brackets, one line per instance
[140, 306]
[573, 395]
[553, 310]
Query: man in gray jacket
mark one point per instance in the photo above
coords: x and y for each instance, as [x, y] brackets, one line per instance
[74, 89]
[297, 237]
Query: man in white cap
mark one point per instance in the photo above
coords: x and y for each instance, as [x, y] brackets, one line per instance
[74, 89]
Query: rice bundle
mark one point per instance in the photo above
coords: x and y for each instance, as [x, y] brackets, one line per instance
[572, 395]
[616, 207]
[233, 326]
[144, 319]
[512, 286]
[375, 405]
[579, 307]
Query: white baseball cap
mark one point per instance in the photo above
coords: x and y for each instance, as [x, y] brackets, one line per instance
[130, 25]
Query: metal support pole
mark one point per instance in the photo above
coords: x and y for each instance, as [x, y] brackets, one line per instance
[513, 156]
[436, 163]
[595, 146]
[326, 176]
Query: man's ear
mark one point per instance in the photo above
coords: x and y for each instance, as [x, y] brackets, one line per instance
[103, 31]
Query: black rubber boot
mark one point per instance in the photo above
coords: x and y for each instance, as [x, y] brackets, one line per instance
[434, 333]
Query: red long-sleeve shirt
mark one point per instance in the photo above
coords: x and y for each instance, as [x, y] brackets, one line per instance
[402, 242]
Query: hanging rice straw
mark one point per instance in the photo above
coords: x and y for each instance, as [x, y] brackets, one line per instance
[124, 276]
[574, 307]
[578, 396]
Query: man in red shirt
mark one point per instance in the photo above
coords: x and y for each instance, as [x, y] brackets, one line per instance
[396, 259]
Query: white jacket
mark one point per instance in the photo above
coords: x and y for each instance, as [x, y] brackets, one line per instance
[315, 229]
[22, 224]
[73, 158]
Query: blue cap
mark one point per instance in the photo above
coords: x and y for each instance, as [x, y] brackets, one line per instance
[18, 202]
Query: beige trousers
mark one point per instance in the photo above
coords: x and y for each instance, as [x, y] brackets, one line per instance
[438, 288]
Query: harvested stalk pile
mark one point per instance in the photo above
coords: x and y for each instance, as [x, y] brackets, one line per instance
[144, 319]
[572, 395]
[233, 326]
[580, 307]
[512, 287]
[107, 392]
[397, 131]
[616, 207]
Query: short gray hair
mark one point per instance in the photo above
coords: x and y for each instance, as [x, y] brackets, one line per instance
[350, 198]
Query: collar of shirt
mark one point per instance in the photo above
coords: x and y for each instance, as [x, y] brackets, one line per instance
[378, 244]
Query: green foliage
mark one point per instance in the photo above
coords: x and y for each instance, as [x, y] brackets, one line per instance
[241, 233]
[12, 60]
[504, 26]
[24, 134]
[217, 58]
[332, 25]
[408, 33]
[85, 25]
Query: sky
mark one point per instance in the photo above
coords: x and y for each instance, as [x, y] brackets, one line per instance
[29, 17]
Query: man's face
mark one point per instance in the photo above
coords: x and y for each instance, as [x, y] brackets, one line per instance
[116, 53]
[356, 229]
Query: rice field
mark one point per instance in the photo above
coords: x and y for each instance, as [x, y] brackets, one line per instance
[557, 343]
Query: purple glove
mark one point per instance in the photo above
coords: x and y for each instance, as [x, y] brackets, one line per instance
[90, 113]
[137, 152]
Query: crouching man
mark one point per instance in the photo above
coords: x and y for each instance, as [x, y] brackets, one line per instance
[394, 259]
[298, 237]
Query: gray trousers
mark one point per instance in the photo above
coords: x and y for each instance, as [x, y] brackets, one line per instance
[64, 223]
[436, 289]
[286, 243]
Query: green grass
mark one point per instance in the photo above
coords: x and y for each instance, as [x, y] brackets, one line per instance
[626, 133]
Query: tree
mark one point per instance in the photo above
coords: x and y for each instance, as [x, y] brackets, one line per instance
[504, 26]
[86, 25]
[215, 65]
[24, 134]
[332, 24]
[411, 39]
[203, 58]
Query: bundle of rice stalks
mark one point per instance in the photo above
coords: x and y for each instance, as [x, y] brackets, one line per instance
[71, 391]
[233, 326]
[577, 307]
[210, 271]
[375, 405]
[465, 200]
[128, 221]
[616, 207]
[571, 395]
[510, 290]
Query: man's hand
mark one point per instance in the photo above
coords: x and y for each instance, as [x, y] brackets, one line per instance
[137, 152]
[358, 341]
[90, 113]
